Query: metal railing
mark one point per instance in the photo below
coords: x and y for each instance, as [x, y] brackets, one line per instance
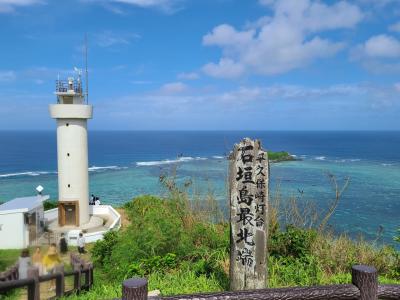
[62, 86]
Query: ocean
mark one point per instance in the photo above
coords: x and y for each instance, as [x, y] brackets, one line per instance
[125, 164]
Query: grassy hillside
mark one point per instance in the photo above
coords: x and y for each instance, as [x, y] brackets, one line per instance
[185, 250]
[8, 258]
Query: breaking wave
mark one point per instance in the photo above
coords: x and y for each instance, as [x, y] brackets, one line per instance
[38, 173]
[28, 173]
[345, 160]
[168, 161]
[386, 164]
[320, 158]
[95, 168]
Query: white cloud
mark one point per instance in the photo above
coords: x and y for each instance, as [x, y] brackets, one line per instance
[167, 6]
[174, 88]
[395, 27]
[379, 54]
[288, 40]
[146, 3]
[364, 106]
[251, 97]
[226, 68]
[377, 3]
[7, 76]
[188, 76]
[7, 6]
[381, 46]
[226, 35]
[109, 38]
[290, 92]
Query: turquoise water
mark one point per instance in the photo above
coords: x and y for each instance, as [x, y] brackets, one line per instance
[127, 164]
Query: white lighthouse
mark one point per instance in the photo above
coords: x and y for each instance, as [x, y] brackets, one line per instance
[72, 112]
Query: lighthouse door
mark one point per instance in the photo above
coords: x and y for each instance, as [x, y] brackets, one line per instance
[68, 214]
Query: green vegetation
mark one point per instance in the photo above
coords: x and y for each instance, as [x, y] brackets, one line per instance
[279, 156]
[165, 240]
[8, 258]
[183, 247]
[50, 204]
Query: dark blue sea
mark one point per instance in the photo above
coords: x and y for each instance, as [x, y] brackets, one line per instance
[124, 164]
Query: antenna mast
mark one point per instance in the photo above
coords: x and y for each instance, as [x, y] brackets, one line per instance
[86, 70]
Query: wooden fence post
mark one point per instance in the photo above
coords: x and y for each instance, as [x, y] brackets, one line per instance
[77, 278]
[89, 274]
[31, 291]
[248, 193]
[366, 279]
[15, 274]
[60, 281]
[134, 289]
[86, 267]
[33, 273]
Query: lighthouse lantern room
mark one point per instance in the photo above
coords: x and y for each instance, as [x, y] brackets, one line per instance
[72, 112]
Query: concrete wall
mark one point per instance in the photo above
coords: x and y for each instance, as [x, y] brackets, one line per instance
[13, 233]
[107, 210]
[51, 214]
[94, 210]
[73, 176]
[71, 111]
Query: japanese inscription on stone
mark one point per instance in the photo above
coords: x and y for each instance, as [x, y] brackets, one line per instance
[248, 192]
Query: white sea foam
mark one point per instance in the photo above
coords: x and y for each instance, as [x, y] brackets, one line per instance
[320, 158]
[95, 168]
[345, 160]
[201, 158]
[38, 173]
[28, 173]
[168, 161]
[386, 164]
[218, 157]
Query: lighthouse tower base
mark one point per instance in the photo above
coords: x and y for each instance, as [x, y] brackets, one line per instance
[103, 218]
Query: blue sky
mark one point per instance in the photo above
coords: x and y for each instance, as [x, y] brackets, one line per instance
[206, 64]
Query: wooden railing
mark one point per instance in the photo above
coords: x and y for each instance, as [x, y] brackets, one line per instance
[81, 269]
[365, 287]
[10, 274]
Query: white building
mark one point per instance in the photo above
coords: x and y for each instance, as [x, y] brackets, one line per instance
[21, 221]
[72, 113]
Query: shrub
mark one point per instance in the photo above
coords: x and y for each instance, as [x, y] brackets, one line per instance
[163, 233]
[101, 251]
[49, 204]
[294, 242]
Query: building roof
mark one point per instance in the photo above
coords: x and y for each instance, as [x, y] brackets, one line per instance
[23, 204]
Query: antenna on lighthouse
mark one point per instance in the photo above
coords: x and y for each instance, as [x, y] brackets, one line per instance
[86, 69]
